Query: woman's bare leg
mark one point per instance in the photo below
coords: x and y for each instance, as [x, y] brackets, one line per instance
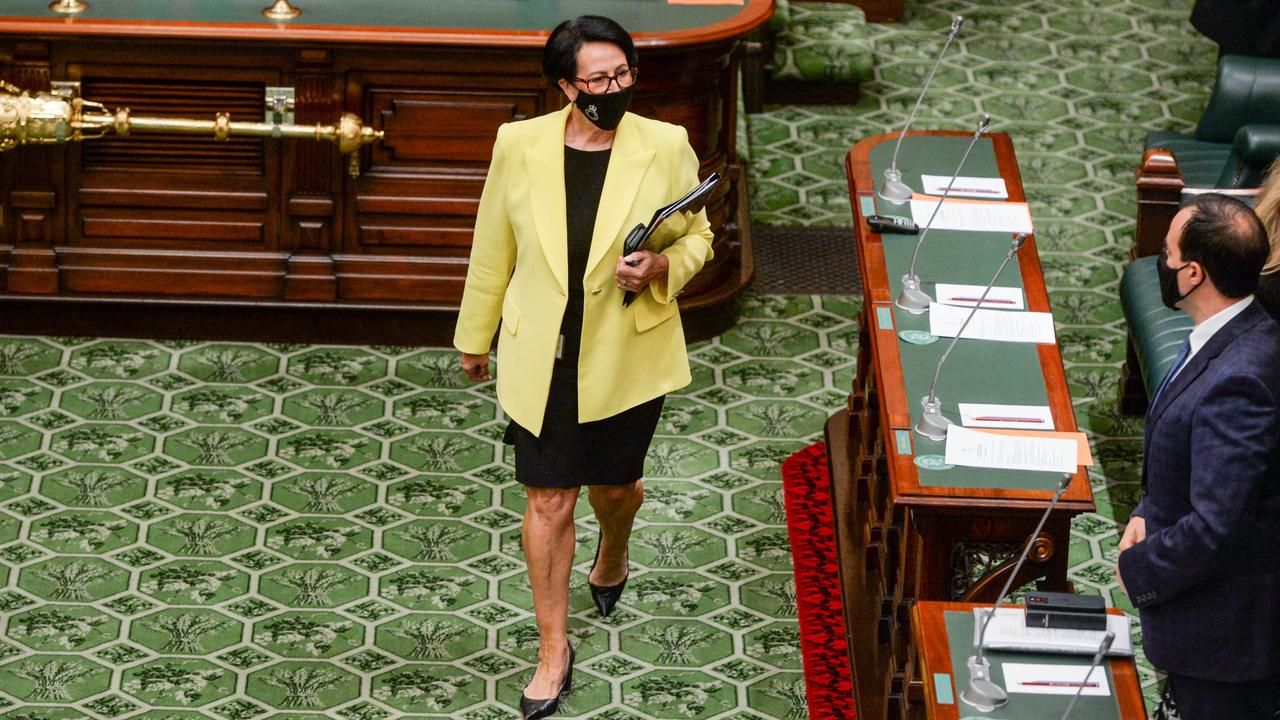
[549, 544]
[616, 507]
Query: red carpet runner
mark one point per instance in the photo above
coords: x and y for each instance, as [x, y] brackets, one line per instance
[828, 679]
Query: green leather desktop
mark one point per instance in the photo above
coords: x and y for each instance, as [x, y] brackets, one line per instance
[638, 16]
[978, 371]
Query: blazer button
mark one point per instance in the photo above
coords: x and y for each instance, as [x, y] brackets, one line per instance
[596, 291]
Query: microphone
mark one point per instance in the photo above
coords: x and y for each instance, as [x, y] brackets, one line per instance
[894, 190]
[983, 694]
[1103, 647]
[932, 423]
[913, 299]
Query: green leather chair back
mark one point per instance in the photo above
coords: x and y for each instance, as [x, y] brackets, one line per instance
[1247, 92]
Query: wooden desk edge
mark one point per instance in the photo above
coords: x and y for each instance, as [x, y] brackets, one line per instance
[753, 15]
[929, 625]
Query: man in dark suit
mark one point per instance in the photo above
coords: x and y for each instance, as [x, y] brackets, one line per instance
[1200, 558]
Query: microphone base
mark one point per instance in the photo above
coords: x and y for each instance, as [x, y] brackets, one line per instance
[894, 191]
[912, 298]
[932, 424]
[982, 694]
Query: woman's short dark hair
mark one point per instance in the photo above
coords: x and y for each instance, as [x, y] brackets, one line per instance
[560, 56]
[1227, 238]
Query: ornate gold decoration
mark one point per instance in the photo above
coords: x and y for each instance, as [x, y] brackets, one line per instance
[46, 119]
[68, 7]
[281, 10]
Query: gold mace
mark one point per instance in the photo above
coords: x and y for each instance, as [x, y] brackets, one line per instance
[47, 119]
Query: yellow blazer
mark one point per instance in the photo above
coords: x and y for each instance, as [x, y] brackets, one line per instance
[519, 265]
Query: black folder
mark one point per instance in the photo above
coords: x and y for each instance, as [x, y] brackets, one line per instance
[641, 234]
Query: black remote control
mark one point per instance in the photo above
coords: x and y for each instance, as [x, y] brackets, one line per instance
[893, 224]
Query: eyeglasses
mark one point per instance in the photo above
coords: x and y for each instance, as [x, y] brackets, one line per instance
[600, 85]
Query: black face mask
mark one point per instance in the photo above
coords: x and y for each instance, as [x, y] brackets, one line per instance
[604, 111]
[1169, 282]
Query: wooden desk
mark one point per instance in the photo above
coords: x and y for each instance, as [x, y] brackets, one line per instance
[933, 648]
[901, 535]
[269, 239]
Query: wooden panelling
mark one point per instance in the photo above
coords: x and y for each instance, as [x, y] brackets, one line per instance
[169, 230]
[374, 279]
[182, 274]
[161, 218]
[162, 198]
[442, 129]
[199, 99]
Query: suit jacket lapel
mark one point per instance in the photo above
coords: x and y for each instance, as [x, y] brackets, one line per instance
[545, 165]
[627, 165]
[1249, 317]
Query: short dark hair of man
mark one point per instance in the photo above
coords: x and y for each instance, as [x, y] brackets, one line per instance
[1228, 240]
[560, 55]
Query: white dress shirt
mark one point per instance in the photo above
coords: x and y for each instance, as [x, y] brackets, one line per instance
[1201, 333]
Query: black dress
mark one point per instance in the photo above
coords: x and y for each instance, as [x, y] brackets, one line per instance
[569, 453]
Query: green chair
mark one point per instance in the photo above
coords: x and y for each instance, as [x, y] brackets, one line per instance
[1155, 334]
[1233, 144]
[812, 52]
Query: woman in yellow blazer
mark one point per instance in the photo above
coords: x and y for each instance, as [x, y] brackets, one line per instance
[583, 376]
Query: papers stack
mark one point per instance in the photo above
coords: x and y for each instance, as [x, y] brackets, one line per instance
[999, 325]
[974, 215]
[1008, 631]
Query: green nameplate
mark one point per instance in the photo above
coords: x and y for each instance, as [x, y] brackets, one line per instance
[884, 318]
[868, 205]
[942, 689]
[903, 439]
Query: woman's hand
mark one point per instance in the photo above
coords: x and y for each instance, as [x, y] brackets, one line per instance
[638, 269]
[476, 366]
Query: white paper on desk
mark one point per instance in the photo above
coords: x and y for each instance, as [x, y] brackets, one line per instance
[1000, 298]
[975, 448]
[1000, 325]
[978, 215]
[1008, 631]
[1018, 675]
[980, 187]
[1013, 417]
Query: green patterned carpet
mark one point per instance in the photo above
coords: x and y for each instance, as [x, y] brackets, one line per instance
[1077, 84]
[232, 531]
[240, 531]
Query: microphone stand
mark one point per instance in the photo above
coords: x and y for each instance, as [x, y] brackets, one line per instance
[932, 423]
[913, 299]
[894, 190]
[1103, 647]
[983, 694]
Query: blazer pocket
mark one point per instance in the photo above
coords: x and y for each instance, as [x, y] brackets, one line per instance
[650, 313]
[510, 315]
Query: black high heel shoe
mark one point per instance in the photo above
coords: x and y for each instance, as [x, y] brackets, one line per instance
[534, 709]
[605, 596]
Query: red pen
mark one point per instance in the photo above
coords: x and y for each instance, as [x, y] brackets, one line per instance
[1058, 683]
[992, 418]
[1000, 301]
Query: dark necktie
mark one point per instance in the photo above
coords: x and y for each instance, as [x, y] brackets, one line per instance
[1173, 370]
